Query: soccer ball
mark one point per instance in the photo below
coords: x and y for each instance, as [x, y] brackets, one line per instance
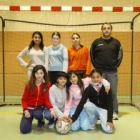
[62, 127]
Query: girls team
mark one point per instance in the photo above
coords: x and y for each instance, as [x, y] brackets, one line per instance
[54, 94]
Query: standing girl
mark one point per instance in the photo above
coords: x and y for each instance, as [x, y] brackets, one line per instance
[35, 98]
[76, 87]
[58, 57]
[57, 94]
[79, 57]
[36, 51]
[100, 105]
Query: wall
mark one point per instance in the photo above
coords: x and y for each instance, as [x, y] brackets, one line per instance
[70, 17]
[18, 35]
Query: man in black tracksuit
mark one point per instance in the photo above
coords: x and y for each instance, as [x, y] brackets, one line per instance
[106, 55]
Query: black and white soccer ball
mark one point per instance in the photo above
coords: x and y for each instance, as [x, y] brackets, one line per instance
[62, 127]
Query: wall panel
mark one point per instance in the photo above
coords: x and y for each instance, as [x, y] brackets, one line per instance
[16, 41]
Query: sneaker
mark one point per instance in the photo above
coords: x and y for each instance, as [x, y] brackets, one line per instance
[40, 125]
[92, 127]
[115, 116]
[40, 128]
[51, 126]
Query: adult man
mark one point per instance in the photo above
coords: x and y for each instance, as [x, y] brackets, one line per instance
[106, 55]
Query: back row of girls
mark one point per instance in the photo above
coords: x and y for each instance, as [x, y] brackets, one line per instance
[80, 101]
[56, 57]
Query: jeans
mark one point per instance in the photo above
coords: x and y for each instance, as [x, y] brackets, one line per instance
[82, 122]
[26, 123]
[94, 113]
[112, 77]
[47, 116]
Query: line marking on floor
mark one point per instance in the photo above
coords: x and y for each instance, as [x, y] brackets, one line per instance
[4, 113]
[1, 113]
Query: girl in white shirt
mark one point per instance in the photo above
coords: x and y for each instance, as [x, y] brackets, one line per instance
[37, 53]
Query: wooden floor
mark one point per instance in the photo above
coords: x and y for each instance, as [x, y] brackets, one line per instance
[127, 127]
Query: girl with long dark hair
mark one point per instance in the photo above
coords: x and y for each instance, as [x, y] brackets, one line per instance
[35, 100]
[37, 53]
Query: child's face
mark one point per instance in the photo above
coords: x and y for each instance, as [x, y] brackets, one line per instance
[96, 77]
[73, 79]
[62, 81]
[55, 40]
[37, 39]
[39, 75]
[76, 39]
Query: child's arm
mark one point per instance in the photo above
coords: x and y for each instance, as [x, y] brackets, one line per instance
[46, 58]
[27, 114]
[21, 55]
[25, 98]
[80, 106]
[86, 81]
[110, 107]
[65, 60]
[57, 111]
[21, 60]
[47, 100]
[88, 67]
[106, 85]
[68, 105]
[24, 102]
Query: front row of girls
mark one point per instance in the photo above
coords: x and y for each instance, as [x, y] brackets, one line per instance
[80, 101]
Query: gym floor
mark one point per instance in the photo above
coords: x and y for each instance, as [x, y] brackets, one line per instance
[127, 127]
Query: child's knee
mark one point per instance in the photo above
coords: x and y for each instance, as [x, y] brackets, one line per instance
[25, 130]
[74, 127]
[84, 127]
[38, 116]
[85, 124]
[88, 105]
[47, 115]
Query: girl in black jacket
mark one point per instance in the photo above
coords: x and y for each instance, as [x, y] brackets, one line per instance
[100, 105]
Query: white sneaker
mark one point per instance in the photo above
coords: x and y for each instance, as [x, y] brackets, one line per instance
[51, 126]
[115, 116]
[92, 127]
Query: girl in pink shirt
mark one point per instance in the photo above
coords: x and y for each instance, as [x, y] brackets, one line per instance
[75, 88]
